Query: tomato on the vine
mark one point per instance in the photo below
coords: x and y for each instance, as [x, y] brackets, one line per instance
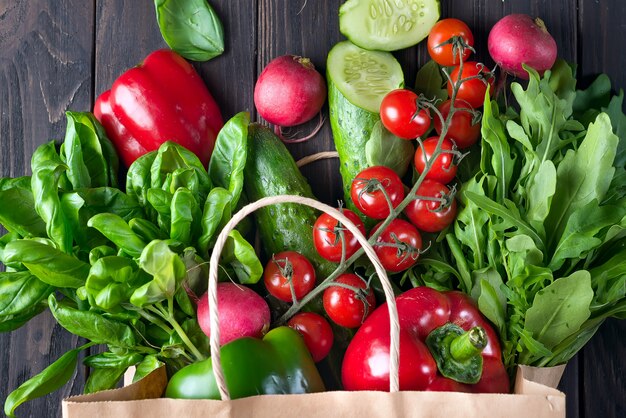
[398, 246]
[431, 215]
[367, 191]
[443, 31]
[345, 306]
[316, 333]
[327, 237]
[286, 267]
[444, 167]
[471, 91]
[462, 129]
[399, 113]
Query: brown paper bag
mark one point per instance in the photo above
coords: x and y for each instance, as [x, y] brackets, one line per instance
[141, 399]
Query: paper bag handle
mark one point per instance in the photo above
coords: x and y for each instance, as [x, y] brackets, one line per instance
[394, 352]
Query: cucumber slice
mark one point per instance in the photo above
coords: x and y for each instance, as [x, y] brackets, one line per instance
[387, 25]
[363, 77]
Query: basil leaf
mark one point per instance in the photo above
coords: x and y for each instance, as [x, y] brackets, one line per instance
[171, 157]
[92, 326]
[560, 308]
[12, 322]
[20, 291]
[47, 170]
[112, 281]
[217, 210]
[229, 156]
[117, 230]
[167, 270]
[185, 215]
[50, 265]
[191, 28]
[83, 152]
[384, 148]
[242, 258]
[429, 82]
[149, 364]
[138, 177]
[103, 379]
[110, 360]
[47, 381]
[161, 201]
[145, 229]
[17, 211]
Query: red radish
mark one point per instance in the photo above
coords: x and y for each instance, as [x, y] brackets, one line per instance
[242, 313]
[289, 92]
[517, 39]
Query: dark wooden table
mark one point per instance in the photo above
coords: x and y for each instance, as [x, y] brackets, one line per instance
[57, 55]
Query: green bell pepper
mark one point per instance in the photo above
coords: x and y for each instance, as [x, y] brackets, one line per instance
[279, 363]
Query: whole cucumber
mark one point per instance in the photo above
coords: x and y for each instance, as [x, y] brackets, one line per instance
[272, 171]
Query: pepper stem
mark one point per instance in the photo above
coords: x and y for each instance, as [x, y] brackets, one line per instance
[458, 352]
[468, 344]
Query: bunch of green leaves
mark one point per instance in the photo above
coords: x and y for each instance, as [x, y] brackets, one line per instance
[540, 238]
[117, 267]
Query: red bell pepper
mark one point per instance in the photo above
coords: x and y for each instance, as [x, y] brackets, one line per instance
[161, 99]
[445, 345]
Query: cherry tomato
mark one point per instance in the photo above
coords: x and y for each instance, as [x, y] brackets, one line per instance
[444, 30]
[367, 195]
[285, 267]
[326, 237]
[344, 306]
[471, 91]
[431, 215]
[443, 168]
[398, 245]
[400, 115]
[462, 130]
[316, 332]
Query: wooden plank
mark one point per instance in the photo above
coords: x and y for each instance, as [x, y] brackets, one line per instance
[603, 382]
[45, 69]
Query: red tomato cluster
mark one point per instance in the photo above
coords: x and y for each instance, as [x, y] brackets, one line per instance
[377, 190]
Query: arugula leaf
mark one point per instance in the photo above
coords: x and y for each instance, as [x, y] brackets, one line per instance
[582, 229]
[560, 309]
[496, 152]
[582, 176]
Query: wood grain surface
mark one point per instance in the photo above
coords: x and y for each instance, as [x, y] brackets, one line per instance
[58, 55]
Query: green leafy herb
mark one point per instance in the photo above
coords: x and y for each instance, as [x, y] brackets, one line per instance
[191, 28]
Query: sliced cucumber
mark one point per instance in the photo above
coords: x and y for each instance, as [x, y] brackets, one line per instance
[362, 76]
[387, 25]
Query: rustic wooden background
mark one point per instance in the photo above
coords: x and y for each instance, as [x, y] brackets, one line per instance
[57, 55]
